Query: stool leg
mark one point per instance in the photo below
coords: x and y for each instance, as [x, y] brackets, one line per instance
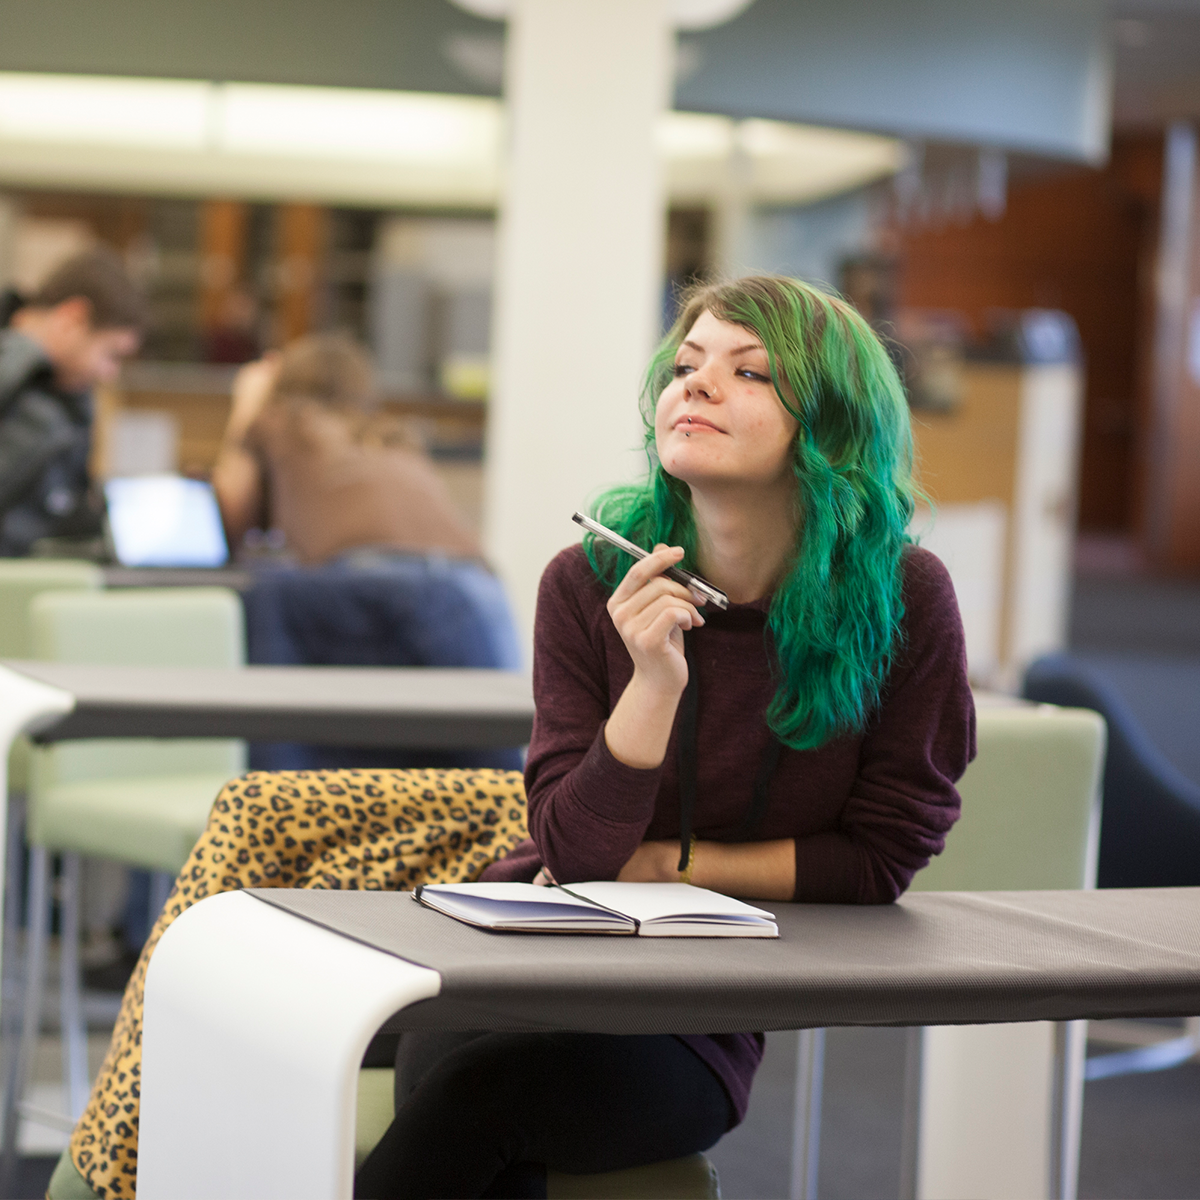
[17, 1082]
[14, 852]
[806, 1132]
[74, 1032]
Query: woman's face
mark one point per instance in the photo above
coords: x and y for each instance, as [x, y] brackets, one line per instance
[719, 421]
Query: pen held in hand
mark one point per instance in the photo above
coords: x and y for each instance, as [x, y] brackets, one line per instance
[713, 595]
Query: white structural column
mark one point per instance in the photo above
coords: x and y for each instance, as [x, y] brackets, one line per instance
[579, 270]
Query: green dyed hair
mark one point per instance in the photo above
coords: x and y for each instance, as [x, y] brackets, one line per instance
[834, 620]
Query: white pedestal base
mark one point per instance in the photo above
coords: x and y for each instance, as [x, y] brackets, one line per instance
[255, 1027]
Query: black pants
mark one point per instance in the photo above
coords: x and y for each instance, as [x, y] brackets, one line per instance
[490, 1115]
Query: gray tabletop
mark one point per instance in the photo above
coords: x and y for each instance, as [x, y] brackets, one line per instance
[238, 578]
[360, 706]
[935, 958]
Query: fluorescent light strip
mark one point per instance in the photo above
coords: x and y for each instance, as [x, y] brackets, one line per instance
[357, 123]
[82, 109]
[249, 118]
[263, 136]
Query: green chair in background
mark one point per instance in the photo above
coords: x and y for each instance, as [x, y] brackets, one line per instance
[21, 580]
[994, 1111]
[1000, 1106]
[141, 802]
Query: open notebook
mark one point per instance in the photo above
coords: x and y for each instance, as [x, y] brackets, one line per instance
[648, 909]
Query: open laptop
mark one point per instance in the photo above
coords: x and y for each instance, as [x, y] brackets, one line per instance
[165, 521]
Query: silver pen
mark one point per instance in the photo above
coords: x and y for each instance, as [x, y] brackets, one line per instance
[700, 586]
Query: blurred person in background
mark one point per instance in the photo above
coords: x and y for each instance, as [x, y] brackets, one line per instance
[71, 335]
[384, 571]
[308, 451]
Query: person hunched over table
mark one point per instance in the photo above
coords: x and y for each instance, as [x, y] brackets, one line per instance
[802, 745]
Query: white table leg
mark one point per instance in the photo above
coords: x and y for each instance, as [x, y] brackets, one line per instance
[806, 1120]
[1070, 1050]
[1000, 1111]
[255, 1027]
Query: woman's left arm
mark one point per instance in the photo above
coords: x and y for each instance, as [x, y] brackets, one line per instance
[756, 870]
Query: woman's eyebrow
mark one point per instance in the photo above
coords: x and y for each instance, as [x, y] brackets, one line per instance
[746, 349]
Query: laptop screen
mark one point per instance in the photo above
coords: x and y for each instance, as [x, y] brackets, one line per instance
[165, 521]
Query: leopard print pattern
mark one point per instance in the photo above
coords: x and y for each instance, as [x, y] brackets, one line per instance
[373, 830]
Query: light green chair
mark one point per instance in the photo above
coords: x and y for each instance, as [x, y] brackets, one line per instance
[1030, 821]
[1030, 803]
[1000, 1106]
[142, 802]
[21, 580]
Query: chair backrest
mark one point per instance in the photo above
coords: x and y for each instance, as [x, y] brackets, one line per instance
[1030, 804]
[23, 579]
[375, 609]
[168, 627]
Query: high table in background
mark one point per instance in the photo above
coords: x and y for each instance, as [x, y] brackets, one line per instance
[401, 707]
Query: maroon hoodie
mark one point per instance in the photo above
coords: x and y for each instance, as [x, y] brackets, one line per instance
[866, 810]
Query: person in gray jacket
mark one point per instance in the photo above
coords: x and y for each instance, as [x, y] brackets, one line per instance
[69, 336]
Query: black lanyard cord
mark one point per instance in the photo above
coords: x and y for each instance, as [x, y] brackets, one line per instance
[688, 715]
[689, 710]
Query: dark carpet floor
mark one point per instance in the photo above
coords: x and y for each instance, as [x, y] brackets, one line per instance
[33, 1175]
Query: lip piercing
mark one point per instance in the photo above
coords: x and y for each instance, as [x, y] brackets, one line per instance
[685, 432]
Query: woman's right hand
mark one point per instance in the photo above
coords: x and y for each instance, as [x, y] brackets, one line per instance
[650, 613]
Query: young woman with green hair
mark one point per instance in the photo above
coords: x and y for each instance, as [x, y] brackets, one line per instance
[801, 745]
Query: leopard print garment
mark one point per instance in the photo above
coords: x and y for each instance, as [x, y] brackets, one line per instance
[376, 830]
